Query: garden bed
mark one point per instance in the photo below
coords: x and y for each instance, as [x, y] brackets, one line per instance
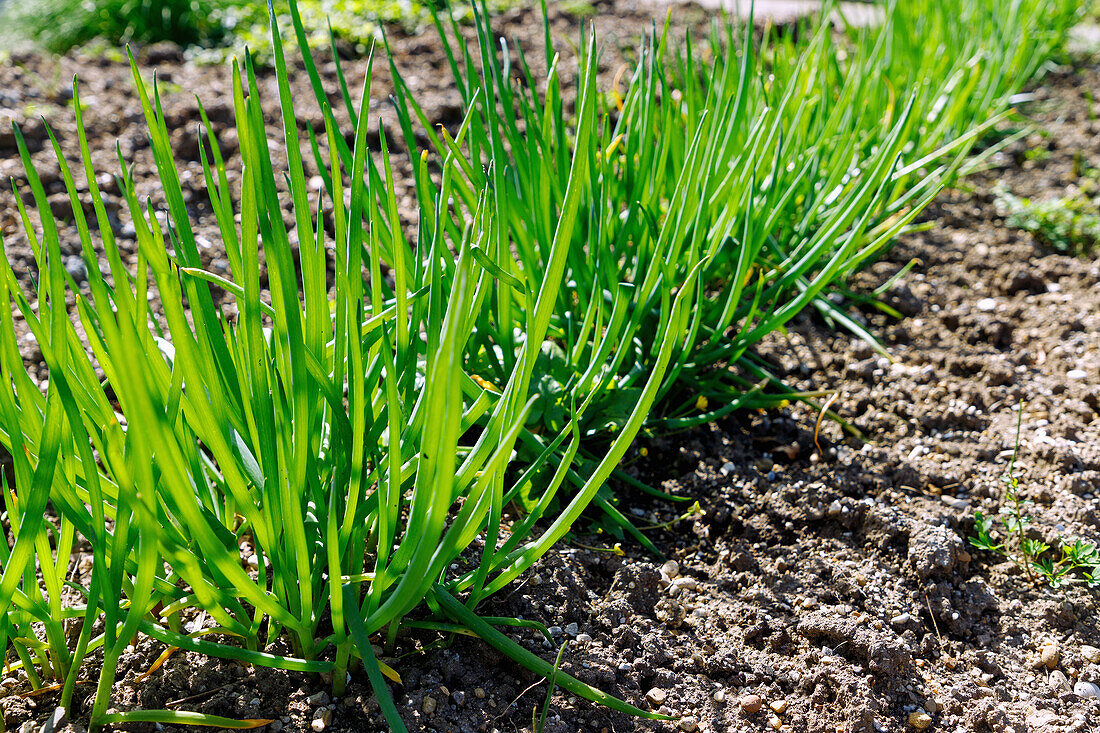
[836, 585]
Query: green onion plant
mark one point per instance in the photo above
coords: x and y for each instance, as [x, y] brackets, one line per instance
[333, 427]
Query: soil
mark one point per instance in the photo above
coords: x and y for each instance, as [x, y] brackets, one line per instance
[828, 584]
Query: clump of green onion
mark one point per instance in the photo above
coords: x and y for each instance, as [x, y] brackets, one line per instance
[336, 430]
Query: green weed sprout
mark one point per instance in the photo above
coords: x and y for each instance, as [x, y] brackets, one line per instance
[1073, 562]
[1067, 223]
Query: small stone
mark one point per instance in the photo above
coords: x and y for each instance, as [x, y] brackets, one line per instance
[459, 697]
[1050, 655]
[671, 569]
[75, 267]
[318, 698]
[275, 725]
[56, 720]
[986, 305]
[479, 693]
[835, 508]
[1091, 654]
[33, 352]
[919, 719]
[689, 724]
[751, 703]
[727, 468]
[555, 631]
[685, 584]
[1087, 689]
[322, 721]
[1076, 374]
[1058, 681]
[429, 705]
[582, 638]
[901, 619]
[955, 502]
[719, 696]
[778, 706]
[775, 722]
[1040, 719]
[571, 629]
[656, 696]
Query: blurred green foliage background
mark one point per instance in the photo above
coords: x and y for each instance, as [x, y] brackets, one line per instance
[208, 27]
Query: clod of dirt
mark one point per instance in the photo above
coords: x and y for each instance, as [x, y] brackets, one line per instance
[933, 550]
[880, 651]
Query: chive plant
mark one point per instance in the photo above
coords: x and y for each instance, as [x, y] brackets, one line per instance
[336, 430]
[571, 280]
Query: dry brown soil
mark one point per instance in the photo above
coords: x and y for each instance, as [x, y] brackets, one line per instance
[837, 586]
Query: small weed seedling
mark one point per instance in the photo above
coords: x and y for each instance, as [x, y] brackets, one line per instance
[1077, 561]
[1069, 223]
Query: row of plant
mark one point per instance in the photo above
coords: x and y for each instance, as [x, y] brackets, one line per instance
[583, 267]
